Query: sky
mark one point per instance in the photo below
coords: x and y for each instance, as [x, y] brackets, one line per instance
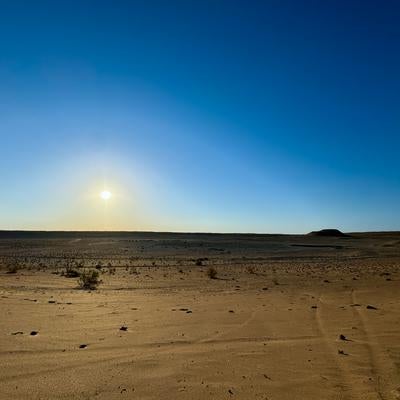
[213, 115]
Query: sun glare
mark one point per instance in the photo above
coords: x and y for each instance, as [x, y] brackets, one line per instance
[105, 195]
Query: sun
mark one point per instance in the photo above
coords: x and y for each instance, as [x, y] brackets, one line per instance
[105, 195]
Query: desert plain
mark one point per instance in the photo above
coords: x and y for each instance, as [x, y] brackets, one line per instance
[279, 317]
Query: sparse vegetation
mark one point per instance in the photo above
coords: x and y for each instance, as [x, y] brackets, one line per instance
[133, 271]
[89, 279]
[250, 269]
[111, 270]
[70, 272]
[199, 262]
[13, 264]
[212, 273]
[13, 268]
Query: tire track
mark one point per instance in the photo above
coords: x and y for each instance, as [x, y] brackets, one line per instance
[343, 372]
[374, 351]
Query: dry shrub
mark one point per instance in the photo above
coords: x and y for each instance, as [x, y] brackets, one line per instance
[250, 269]
[70, 272]
[212, 273]
[13, 264]
[12, 268]
[89, 279]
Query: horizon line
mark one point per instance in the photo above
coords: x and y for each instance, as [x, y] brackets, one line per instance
[182, 232]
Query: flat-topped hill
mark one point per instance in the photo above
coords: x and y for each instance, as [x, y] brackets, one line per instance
[328, 233]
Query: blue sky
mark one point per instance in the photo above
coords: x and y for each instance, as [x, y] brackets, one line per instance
[228, 116]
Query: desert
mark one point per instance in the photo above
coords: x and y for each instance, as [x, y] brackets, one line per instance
[284, 316]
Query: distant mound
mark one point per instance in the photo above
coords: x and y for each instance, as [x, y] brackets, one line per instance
[328, 233]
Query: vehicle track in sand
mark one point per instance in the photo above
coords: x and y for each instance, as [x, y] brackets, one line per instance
[379, 363]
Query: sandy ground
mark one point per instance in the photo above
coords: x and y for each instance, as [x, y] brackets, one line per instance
[269, 327]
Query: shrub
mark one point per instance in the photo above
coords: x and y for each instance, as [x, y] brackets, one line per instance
[13, 265]
[70, 272]
[133, 271]
[200, 261]
[89, 279]
[12, 268]
[212, 273]
[250, 269]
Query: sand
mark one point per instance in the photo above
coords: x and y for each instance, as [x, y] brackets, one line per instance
[288, 317]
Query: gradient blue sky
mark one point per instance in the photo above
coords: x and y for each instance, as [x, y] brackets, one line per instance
[246, 116]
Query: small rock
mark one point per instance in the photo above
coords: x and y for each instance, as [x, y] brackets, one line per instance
[123, 328]
[82, 346]
[369, 307]
[34, 333]
[342, 337]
